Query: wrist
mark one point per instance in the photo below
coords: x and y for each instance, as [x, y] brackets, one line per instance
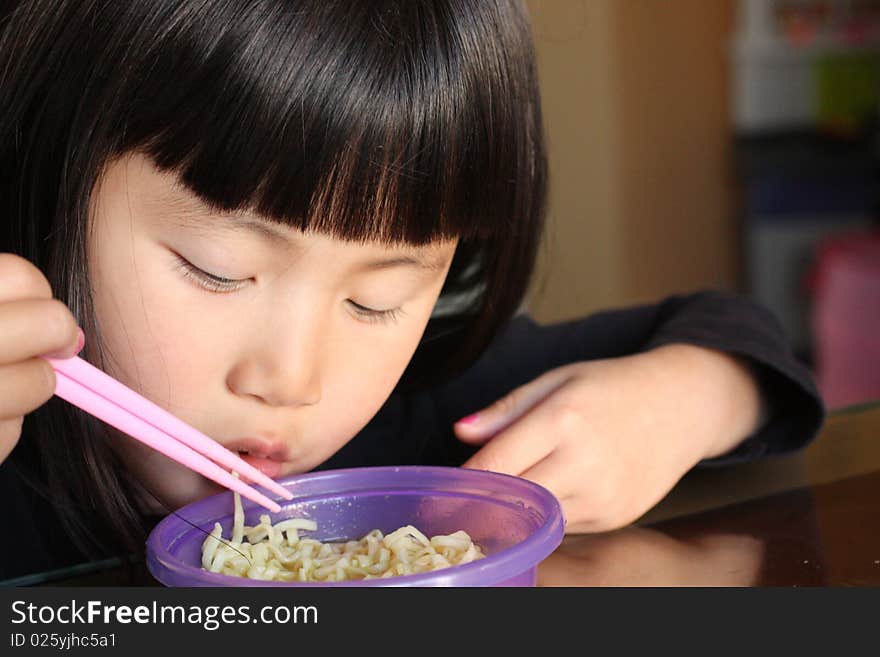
[722, 388]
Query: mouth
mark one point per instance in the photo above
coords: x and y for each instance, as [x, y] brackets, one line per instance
[268, 467]
[267, 456]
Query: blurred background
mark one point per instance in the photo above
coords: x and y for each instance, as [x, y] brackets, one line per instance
[727, 144]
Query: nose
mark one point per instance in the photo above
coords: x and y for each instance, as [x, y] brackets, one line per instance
[281, 368]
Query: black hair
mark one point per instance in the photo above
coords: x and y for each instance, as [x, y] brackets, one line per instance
[404, 121]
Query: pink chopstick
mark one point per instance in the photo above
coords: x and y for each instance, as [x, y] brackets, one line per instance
[99, 394]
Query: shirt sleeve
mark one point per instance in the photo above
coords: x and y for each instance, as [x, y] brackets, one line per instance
[717, 320]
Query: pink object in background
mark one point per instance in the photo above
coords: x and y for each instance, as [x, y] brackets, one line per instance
[846, 319]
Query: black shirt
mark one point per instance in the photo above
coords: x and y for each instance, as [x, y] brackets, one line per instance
[416, 428]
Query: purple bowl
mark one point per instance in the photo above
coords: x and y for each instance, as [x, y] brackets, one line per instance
[517, 523]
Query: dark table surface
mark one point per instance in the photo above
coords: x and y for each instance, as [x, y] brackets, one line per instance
[807, 519]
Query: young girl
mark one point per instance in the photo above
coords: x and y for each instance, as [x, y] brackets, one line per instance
[305, 228]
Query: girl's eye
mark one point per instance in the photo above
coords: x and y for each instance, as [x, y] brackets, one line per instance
[373, 315]
[220, 284]
[209, 281]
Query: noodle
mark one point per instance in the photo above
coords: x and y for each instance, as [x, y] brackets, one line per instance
[278, 552]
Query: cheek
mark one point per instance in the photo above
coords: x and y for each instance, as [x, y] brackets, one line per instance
[366, 361]
[368, 372]
[155, 342]
[359, 380]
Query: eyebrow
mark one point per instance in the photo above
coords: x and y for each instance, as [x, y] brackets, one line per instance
[277, 233]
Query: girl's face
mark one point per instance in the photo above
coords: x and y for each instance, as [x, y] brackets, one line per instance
[274, 342]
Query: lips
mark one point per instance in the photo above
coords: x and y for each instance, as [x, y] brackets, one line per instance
[268, 467]
[267, 456]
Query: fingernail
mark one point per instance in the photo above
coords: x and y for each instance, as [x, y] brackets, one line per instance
[470, 419]
[80, 342]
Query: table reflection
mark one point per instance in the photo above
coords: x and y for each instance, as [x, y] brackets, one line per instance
[774, 541]
[647, 557]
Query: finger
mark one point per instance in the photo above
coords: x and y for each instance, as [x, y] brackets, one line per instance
[19, 279]
[589, 512]
[576, 519]
[550, 472]
[34, 327]
[25, 386]
[515, 449]
[479, 427]
[10, 430]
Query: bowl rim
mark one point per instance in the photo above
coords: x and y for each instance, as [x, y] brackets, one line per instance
[503, 565]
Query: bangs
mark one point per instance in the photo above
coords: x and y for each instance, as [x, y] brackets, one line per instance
[368, 121]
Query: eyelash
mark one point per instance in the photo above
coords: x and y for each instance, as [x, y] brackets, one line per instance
[220, 285]
[375, 316]
[208, 281]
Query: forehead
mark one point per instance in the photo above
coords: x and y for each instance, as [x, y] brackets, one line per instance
[166, 198]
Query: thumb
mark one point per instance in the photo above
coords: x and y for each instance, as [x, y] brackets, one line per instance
[479, 427]
[72, 349]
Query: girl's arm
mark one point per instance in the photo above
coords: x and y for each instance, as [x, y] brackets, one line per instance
[610, 412]
[792, 409]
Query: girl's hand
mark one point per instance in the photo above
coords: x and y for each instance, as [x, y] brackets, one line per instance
[32, 324]
[611, 437]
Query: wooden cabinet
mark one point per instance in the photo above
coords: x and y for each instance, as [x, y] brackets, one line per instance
[641, 187]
